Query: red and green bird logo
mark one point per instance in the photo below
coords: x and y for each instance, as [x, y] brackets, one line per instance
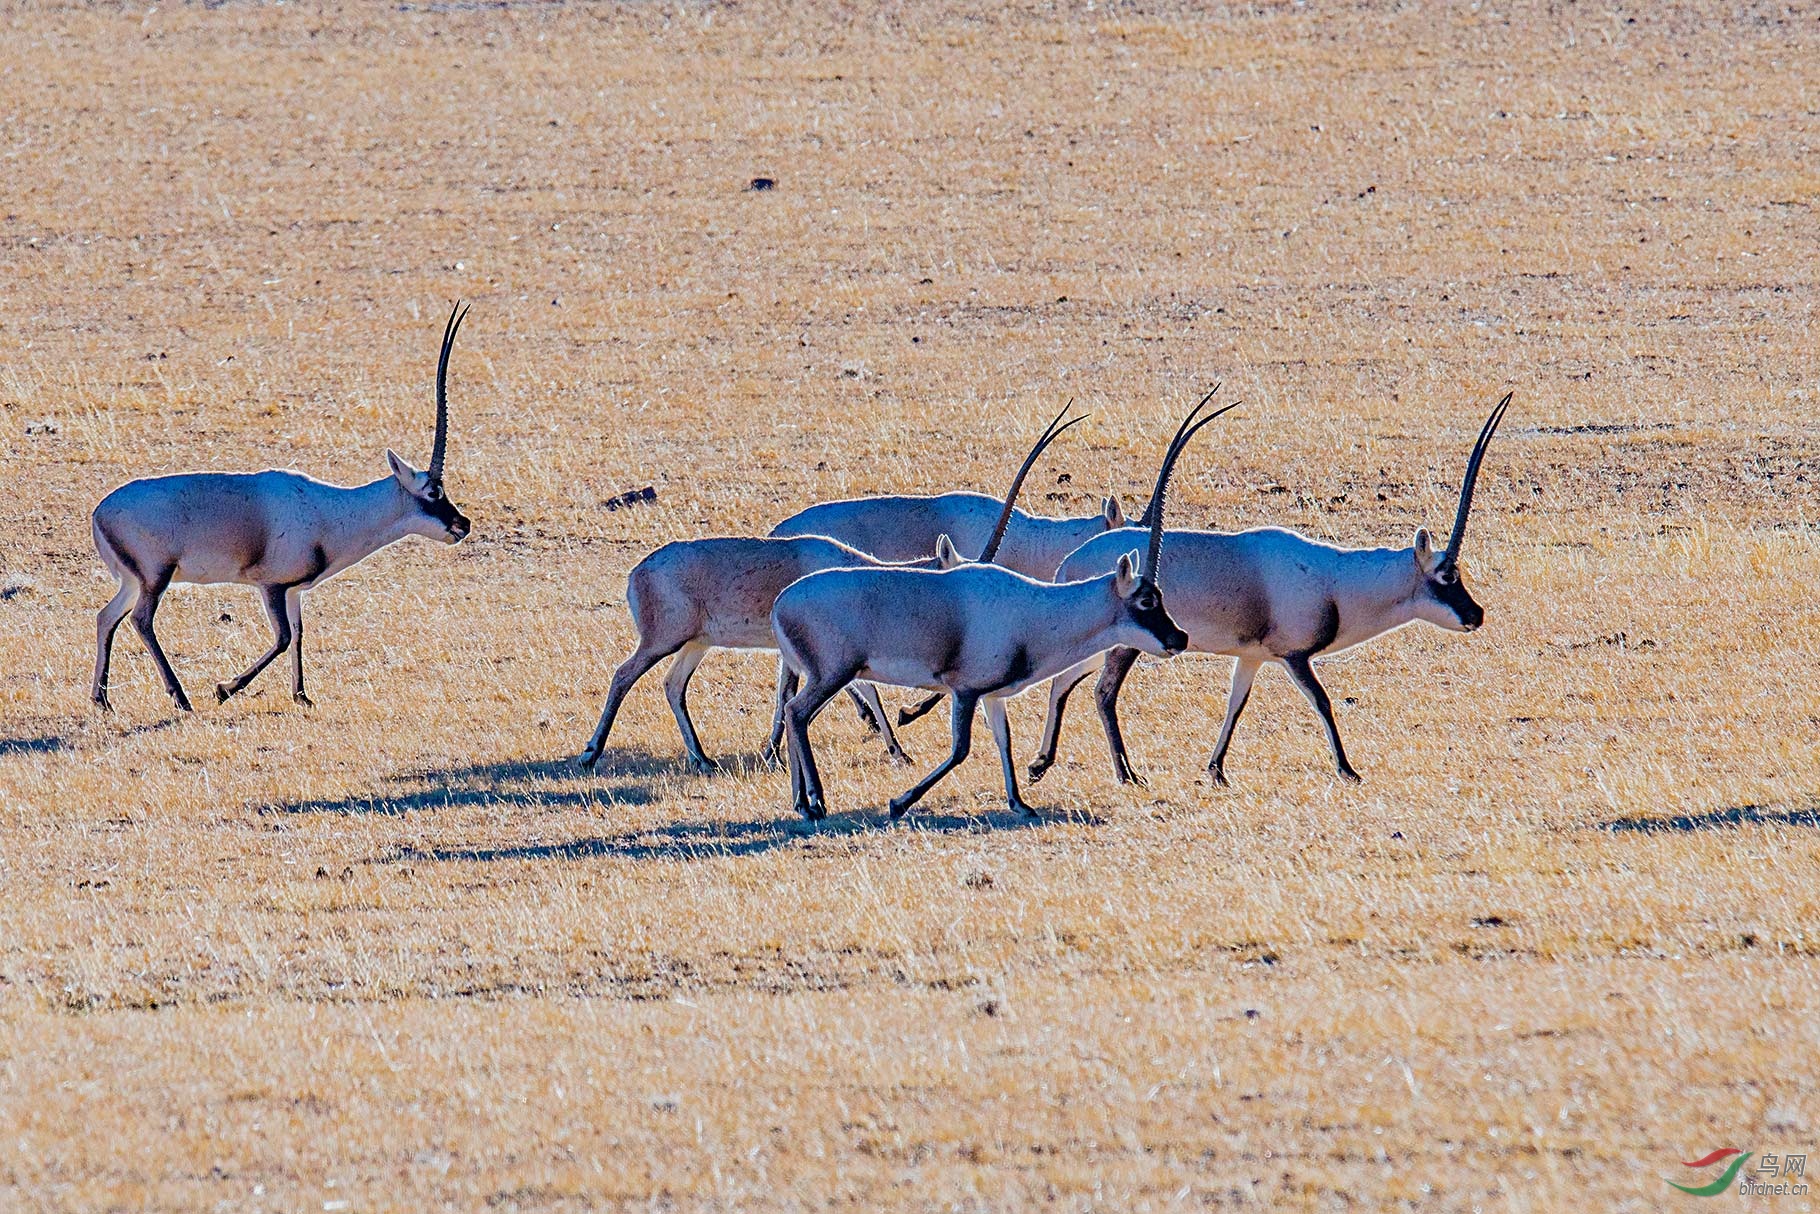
[1738, 1159]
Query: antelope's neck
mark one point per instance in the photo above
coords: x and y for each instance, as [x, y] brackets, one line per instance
[366, 518]
[1374, 590]
[1041, 544]
[1078, 619]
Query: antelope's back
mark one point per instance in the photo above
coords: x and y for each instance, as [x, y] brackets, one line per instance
[935, 616]
[203, 526]
[1227, 590]
[717, 567]
[899, 528]
[724, 587]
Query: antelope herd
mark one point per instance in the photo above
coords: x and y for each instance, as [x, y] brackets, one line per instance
[851, 594]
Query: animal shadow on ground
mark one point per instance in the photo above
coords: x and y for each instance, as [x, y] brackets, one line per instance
[711, 840]
[1719, 819]
[43, 744]
[545, 784]
[557, 784]
[59, 743]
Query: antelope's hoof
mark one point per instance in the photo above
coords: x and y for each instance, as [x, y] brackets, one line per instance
[100, 701]
[1350, 776]
[222, 693]
[183, 704]
[899, 807]
[701, 765]
[1218, 776]
[303, 699]
[1028, 813]
[1128, 776]
[1037, 770]
[812, 811]
[900, 758]
[587, 759]
[770, 758]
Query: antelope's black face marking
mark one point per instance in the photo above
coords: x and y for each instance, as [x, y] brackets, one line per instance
[1145, 603]
[1449, 589]
[437, 505]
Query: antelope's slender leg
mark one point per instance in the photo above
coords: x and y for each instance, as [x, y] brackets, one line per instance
[1244, 671]
[145, 611]
[787, 683]
[805, 779]
[867, 695]
[1106, 698]
[274, 597]
[106, 623]
[630, 671]
[293, 612]
[1001, 734]
[870, 719]
[923, 707]
[676, 690]
[961, 725]
[1303, 673]
[1059, 689]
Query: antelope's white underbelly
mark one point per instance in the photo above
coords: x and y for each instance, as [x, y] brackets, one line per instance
[901, 672]
[203, 571]
[740, 634]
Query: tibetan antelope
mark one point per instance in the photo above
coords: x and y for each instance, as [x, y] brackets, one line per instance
[977, 632]
[281, 531]
[1270, 595]
[871, 711]
[691, 596]
[901, 527]
[1115, 520]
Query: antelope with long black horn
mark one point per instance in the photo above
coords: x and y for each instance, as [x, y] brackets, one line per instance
[281, 531]
[906, 715]
[870, 708]
[1270, 595]
[691, 596]
[976, 632]
[900, 527]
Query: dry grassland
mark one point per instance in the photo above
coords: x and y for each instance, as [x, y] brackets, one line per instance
[394, 954]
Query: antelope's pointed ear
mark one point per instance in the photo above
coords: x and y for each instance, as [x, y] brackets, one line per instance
[1113, 513]
[946, 555]
[1425, 551]
[407, 476]
[1126, 577]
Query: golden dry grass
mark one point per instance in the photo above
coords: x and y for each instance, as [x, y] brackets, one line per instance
[393, 954]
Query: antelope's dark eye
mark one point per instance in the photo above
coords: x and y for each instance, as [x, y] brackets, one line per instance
[434, 492]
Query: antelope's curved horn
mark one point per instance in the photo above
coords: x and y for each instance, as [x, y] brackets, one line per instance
[457, 314]
[1053, 432]
[1150, 506]
[1160, 496]
[1472, 477]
